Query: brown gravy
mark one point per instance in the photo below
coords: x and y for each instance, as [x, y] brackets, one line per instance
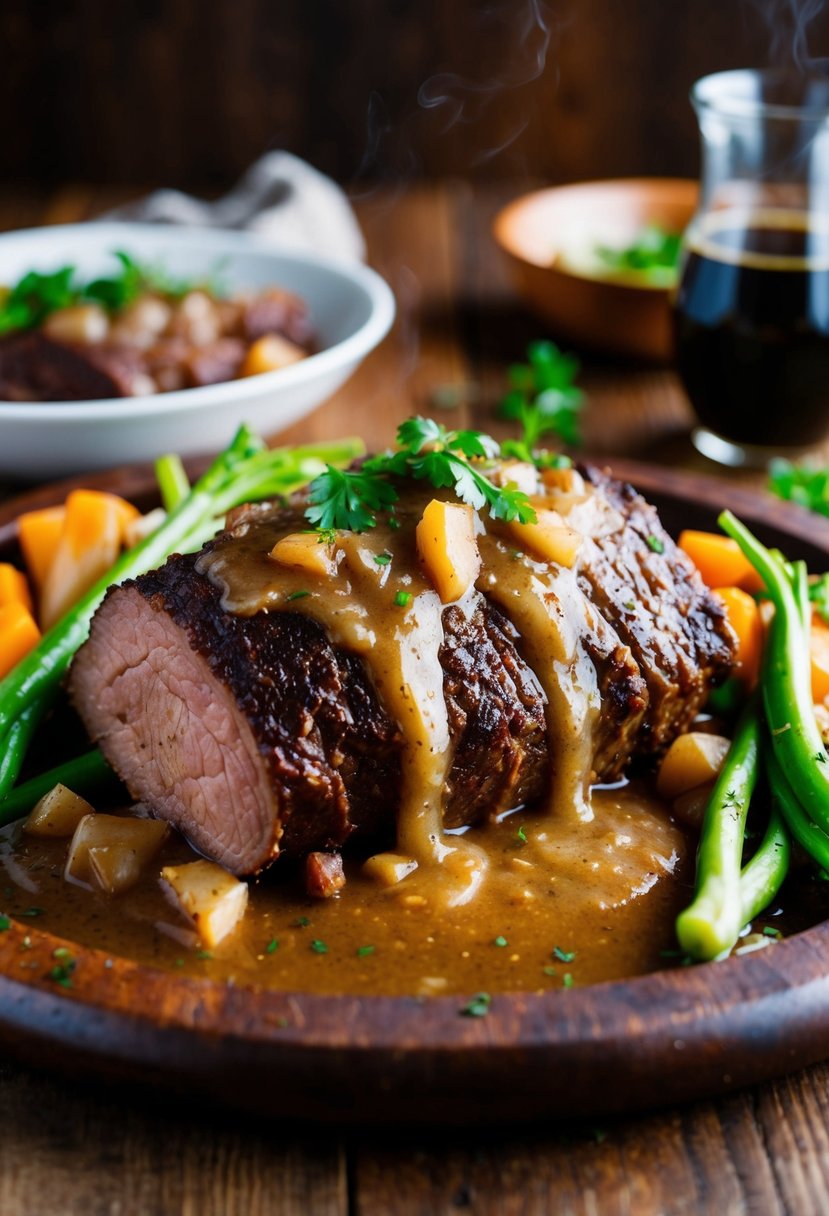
[605, 892]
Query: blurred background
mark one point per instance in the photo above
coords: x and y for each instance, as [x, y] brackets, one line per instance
[188, 93]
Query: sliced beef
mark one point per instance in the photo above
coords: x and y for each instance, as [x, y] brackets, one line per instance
[34, 367]
[649, 592]
[256, 736]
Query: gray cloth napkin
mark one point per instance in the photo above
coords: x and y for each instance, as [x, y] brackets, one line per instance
[281, 198]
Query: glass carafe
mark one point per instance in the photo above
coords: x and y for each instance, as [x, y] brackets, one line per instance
[752, 306]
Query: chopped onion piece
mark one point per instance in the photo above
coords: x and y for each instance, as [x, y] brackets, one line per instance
[136, 840]
[58, 813]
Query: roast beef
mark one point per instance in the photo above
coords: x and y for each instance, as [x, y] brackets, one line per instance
[35, 367]
[256, 736]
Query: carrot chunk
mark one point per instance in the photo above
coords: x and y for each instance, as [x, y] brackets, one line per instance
[745, 619]
[90, 540]
[18, 635]
[819, 654]
[14, 588]
[720, 561]
[39, 534]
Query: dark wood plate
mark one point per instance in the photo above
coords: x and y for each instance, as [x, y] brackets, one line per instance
[618, 1046]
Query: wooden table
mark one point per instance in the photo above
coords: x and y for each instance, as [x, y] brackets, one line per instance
[88, 1151]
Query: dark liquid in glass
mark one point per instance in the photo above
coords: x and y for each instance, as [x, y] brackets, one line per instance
[752, 329]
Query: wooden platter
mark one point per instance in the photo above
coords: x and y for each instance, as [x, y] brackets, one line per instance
[620, 1046]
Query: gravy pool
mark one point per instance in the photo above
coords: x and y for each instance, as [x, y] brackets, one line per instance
[563, 904]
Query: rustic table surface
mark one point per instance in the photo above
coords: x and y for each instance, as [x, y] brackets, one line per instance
[92, 1151]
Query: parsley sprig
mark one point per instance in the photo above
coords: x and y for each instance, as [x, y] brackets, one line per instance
[653, 254]
[543, 398]
[36, 295]
[426, 451]
[801, 483]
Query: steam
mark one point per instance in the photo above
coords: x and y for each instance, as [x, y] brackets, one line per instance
[447, 98]
[789, 23]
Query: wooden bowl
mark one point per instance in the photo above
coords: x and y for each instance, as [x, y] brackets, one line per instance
[661, 1038]
[621, 318]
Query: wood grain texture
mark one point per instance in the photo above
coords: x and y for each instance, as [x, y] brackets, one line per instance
[78, 1150]
[187, 93]
[69, 1150]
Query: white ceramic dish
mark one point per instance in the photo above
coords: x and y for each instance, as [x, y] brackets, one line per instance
[351, 307]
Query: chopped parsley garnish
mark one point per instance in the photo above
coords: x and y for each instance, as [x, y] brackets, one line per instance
[298, 595]
[478, 1007]
[61, 973]
[61, 952]
[203, 954]
[403, 598]
[426, 451]
[272, 946]
[326, 536]
[567, 980]
[770, 931]
[5, 924]
[382, 559]
[365, 951]
[550, 971]
[521, 835]
[302, 922]
[563, 956]
[319, 947]
[543, 399]
[500, 941]
[655, 544]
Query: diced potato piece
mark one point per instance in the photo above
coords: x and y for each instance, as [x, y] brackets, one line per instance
[81, 323]
[58, 813]
[39, 534]
[142, 527]
[305, 551]
[18, 635]
[213, 899]
[140, 837]
[520, 473]
[447, 547]
[691, 760]
[689, 808]
[565, 480]
[14, 589]
[90, 541]
[549, 538]
[389, 868]
[268, 354]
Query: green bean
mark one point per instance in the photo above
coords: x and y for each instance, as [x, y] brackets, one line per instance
[787, 693]
[712, 923]
[173, 483]
[83, 775]
[763, 877]
[807, 834]
[16, 741]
